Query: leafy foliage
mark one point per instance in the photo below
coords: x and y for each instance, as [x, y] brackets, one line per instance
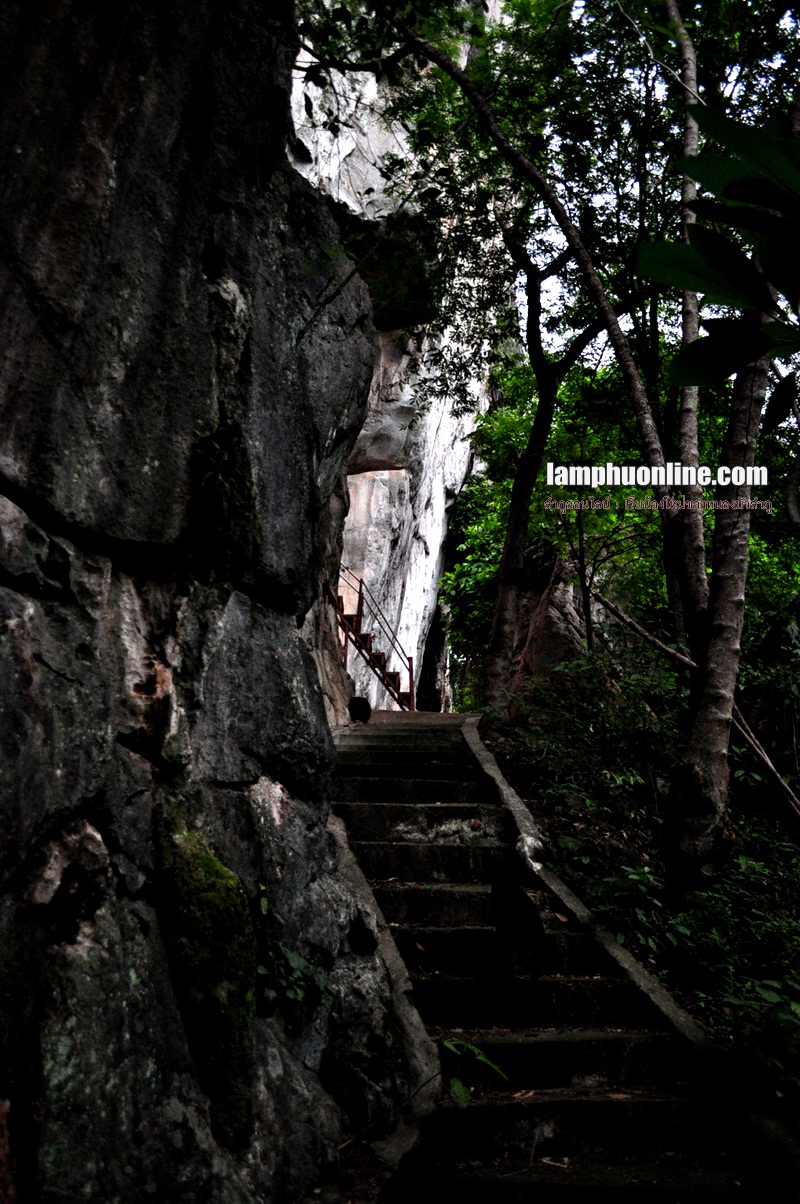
[288, 981]
[468, 1053]
[757, 187]
[593, 757]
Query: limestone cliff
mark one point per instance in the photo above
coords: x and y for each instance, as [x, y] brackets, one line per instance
[412, 457]
[192, 1002]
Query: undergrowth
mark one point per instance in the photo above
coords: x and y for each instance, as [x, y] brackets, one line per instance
[592, 752]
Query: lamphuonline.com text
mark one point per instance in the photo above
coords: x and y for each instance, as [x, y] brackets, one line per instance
[596, 476]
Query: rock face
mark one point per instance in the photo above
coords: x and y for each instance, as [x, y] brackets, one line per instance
[405, 473]
[193, 1006]
[555, 630]
[410, 460]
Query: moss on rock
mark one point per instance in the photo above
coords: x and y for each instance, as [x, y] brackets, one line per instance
[209, 931]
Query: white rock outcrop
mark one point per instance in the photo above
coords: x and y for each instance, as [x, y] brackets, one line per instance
[342, 139]
[406, 471]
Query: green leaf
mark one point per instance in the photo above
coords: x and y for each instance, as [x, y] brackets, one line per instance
[481, 1057]
[783, 332]
[711, 359]
[754, 146]
[459, 1093]
[719, 174]
[731, 343]
[747, 218]
[732, 266]
[780, 261]
[686, 268]
[342, 15]
[295, 960]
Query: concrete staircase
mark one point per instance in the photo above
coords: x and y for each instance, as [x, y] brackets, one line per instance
[364, 626]
[574, 1078]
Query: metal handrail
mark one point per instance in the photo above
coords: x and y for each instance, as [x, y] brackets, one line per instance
[359, 584]
[365, 596]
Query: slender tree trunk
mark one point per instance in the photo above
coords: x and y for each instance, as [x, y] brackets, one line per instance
[685, 538]
[793, 494]
[793, 480]
[698, 831]
[499, 658]
[498, 661]
[586, 593]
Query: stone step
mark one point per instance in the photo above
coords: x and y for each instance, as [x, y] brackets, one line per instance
[361, 743]
[409, 862]
[368, 764]
[563, 1144]
[370, 735]
[568, 952]
[608, 1122]
[523, 1002]
[446, 903]
[424, 722]
[476, 951]
[421, 821]
[462, 951]
[566, 1057]
[372, 789]
[673, 1179]
[381, 736]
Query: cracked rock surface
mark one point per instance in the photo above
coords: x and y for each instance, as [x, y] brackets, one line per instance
[185, 1011]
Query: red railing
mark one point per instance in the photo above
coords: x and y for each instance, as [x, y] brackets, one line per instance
[360, 626]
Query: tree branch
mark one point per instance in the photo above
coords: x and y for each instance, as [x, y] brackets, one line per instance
[739, 721]
[375, 66]
[695, 95]
[648, 433]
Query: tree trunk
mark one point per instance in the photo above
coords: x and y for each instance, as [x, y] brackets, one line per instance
[685, 538]
[555, 633]
[498, 663]
[698, 832]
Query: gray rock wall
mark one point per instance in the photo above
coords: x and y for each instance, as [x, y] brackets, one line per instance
[404, 475]
[193, 1006]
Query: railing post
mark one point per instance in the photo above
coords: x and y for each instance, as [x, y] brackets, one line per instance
[360, 606]
[377, 661]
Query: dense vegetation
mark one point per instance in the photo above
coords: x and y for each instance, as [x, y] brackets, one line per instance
[559, 148]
